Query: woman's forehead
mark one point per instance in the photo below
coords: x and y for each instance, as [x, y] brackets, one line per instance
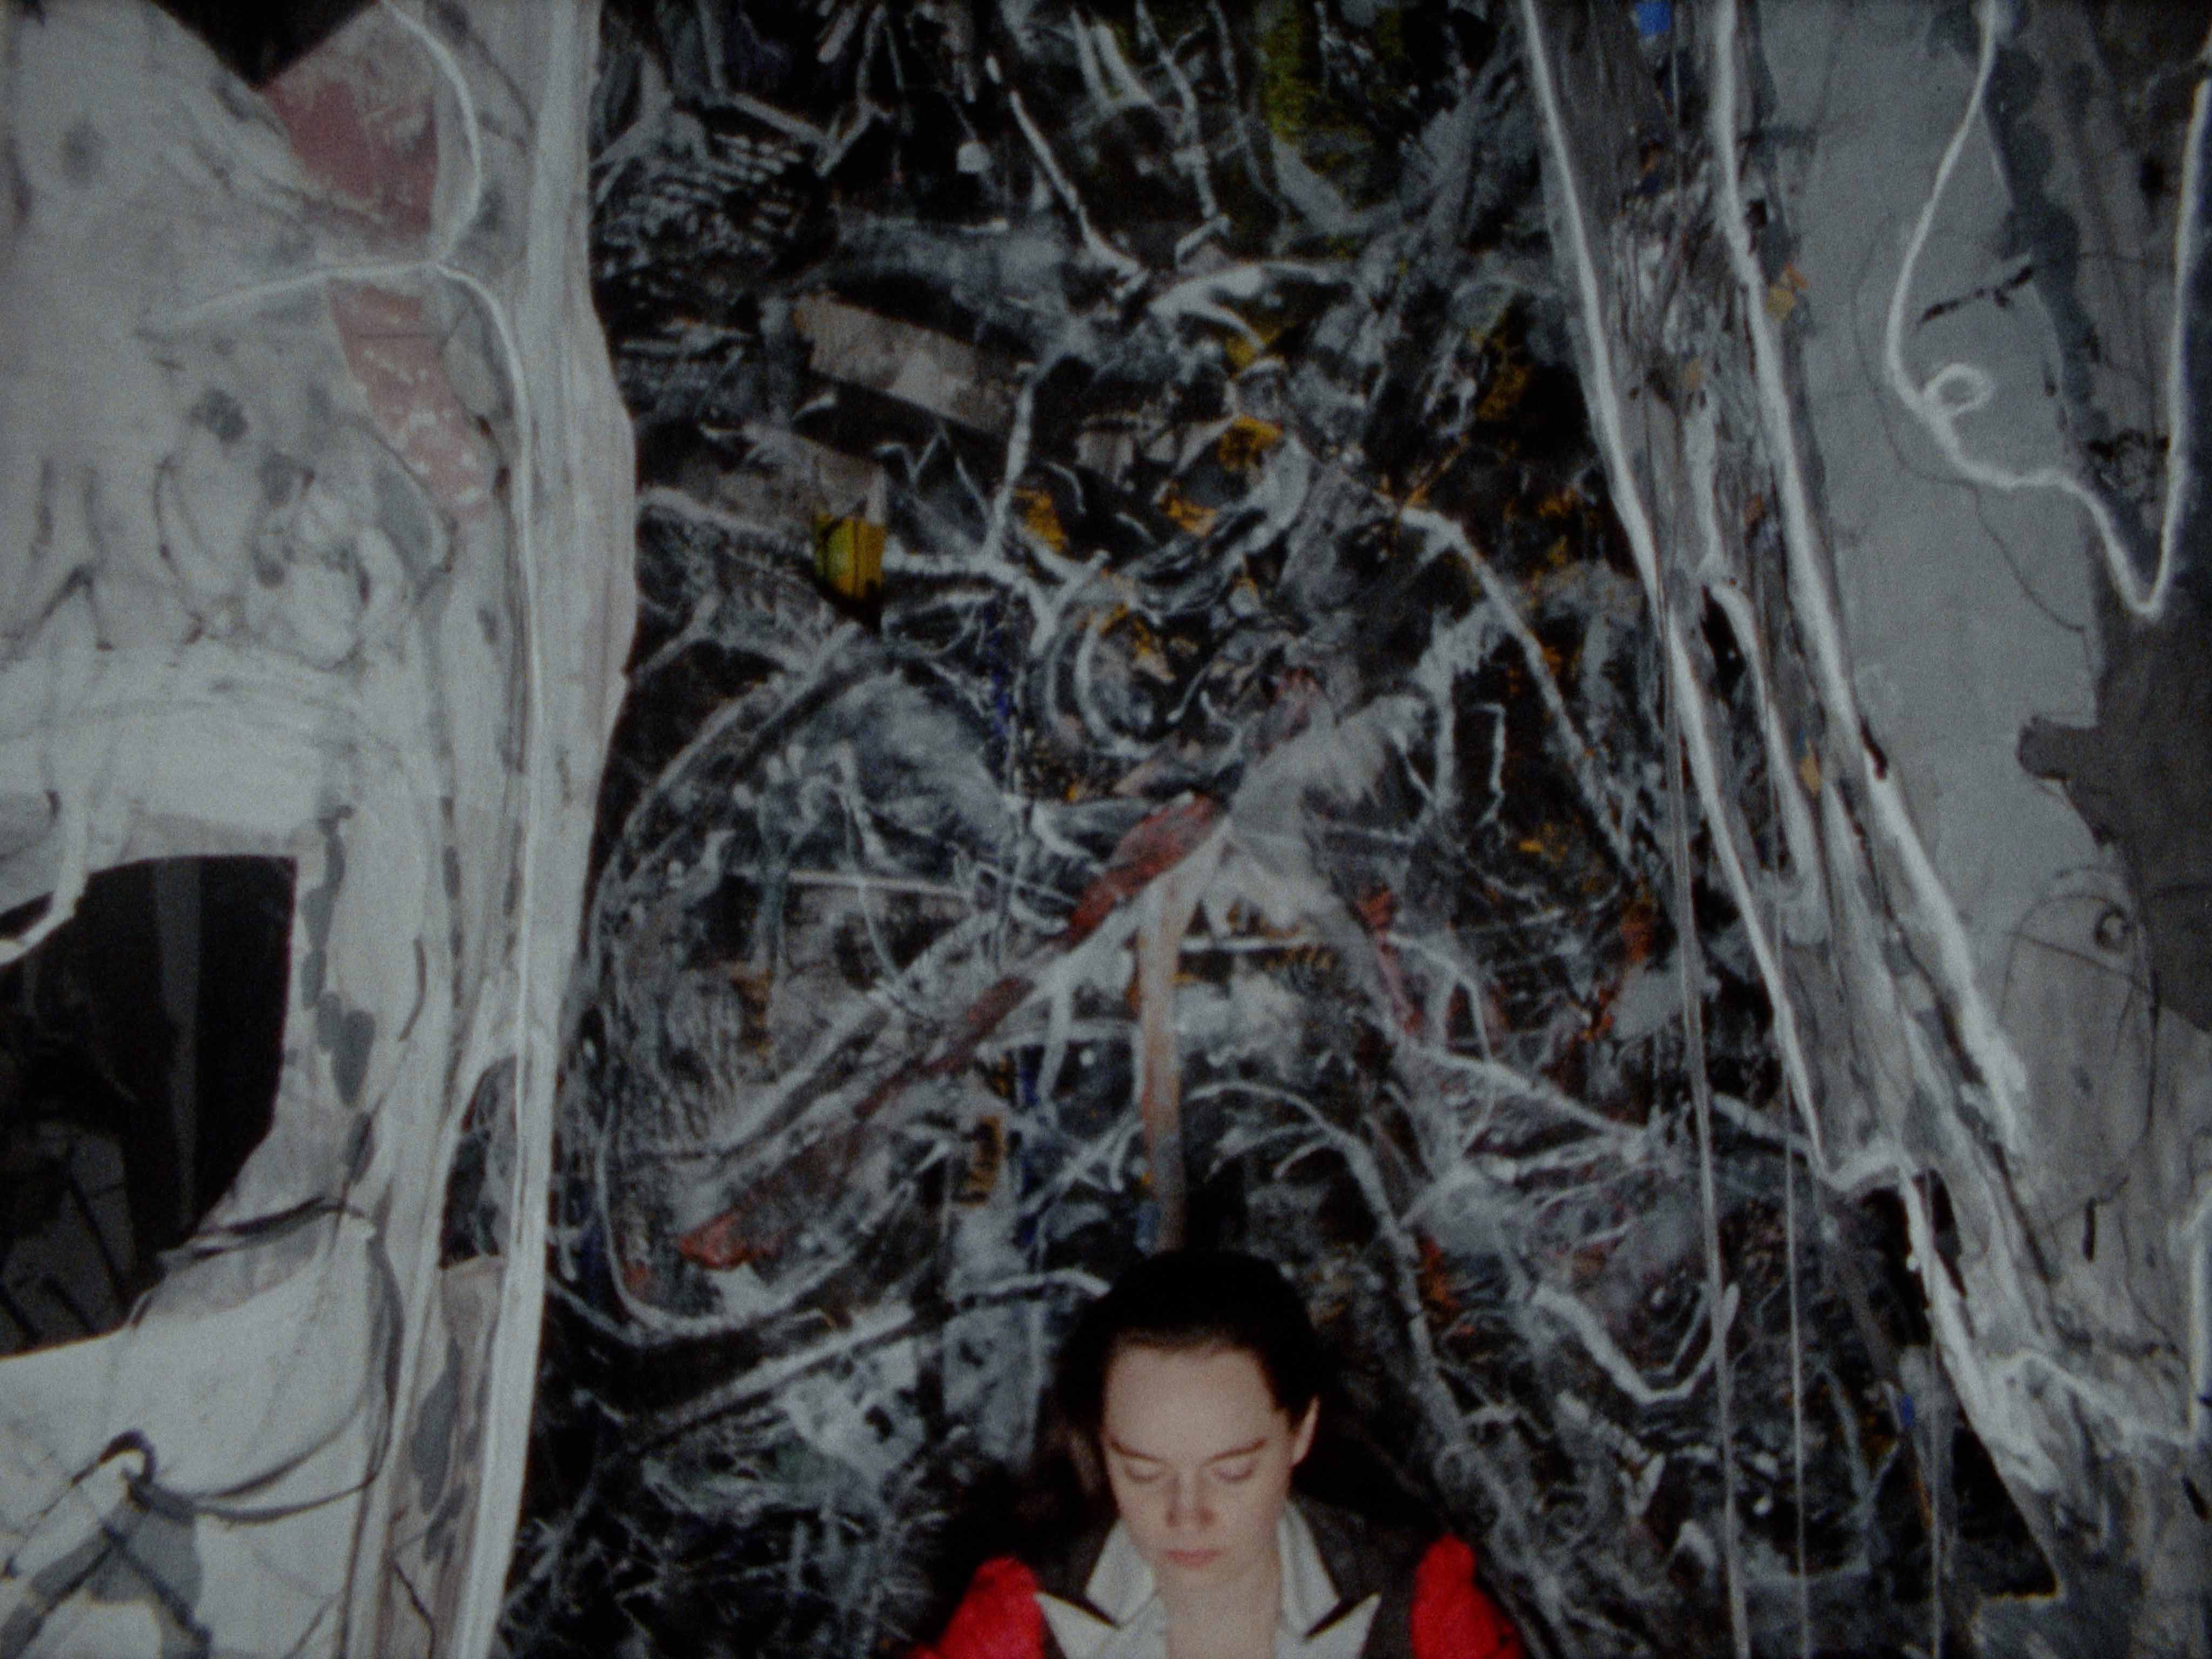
[1175, 1402]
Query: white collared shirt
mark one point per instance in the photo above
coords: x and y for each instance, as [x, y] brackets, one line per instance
[1136, 1624]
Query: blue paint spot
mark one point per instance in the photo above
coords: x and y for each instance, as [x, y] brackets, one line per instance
[1654, 18]
[1905, 1413]
[1148, 1225]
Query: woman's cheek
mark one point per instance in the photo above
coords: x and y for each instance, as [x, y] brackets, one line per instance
[1138, 1504]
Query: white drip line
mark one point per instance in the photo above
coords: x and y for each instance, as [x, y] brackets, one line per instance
[1635, 521]
[1959, 389]
[1993, 1386]
[2004, 1078]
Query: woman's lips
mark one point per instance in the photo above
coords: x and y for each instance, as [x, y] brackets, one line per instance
[1191, 1560]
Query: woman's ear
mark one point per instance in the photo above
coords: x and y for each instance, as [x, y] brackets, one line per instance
[1302, 1437]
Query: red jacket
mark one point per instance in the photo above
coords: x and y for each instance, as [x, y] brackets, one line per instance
[1431, 1607]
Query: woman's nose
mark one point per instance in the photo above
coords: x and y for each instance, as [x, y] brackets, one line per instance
[1187, 1505]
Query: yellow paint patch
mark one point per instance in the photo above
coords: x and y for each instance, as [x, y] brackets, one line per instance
[986, 1156]
[1549, 843]
[1782, 295]
[1246, 443]
[1505, 391]
[1808, 770]
[1041, 518]
[1243, 347]
[1186, 513]
[1146, 656]
[848, 555]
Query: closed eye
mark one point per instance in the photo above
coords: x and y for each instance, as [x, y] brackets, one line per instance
[1240, 1470]
[1141, 1474]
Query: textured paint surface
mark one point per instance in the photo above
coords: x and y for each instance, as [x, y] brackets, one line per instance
[314, 544]
[1328, 456]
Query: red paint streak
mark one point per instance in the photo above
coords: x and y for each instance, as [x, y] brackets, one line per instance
[364, 122]
[370, 140]
[1149, 851]
[1437, 1294]
[1156, 845]
[720, 1245]
[998, 1618]
[977, 1021]
[1376, 911]
[393, 353]
[1639, 929]
[1452, 1618]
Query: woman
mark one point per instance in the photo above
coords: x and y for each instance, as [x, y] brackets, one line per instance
[1191, 1392]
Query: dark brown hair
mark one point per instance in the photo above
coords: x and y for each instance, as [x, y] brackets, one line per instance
[1195, 1300]
[1184, 1301]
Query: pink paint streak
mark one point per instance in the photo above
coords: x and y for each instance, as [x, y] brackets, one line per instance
[368, 132]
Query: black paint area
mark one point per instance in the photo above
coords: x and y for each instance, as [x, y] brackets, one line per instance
[258, 40]
[140, 1049]
[2142, 780]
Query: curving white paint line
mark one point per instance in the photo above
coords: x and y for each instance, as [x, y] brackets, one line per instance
[1589, 1330]
[1986, 1044]
[2180, 412]
[449, 236]
[1959, 389]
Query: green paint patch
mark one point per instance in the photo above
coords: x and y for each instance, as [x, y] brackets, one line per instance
[1289, 71]
[1299, 105]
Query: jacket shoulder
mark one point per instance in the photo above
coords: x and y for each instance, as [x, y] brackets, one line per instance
[1431, 1607]
[997, 1618]
[1063, 1560]
[1451, 1618]
[1363, 1557]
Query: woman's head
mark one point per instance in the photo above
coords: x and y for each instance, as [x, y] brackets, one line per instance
[1194, 1386]
[1188, 1301]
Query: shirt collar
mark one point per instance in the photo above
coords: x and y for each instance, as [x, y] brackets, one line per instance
[1135, 1624]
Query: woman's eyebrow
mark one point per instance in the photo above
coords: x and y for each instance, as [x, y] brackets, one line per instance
[1121, 1450]
[1238, 1451]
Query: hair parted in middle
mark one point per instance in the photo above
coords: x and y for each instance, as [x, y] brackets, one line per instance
[1194, 1301]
